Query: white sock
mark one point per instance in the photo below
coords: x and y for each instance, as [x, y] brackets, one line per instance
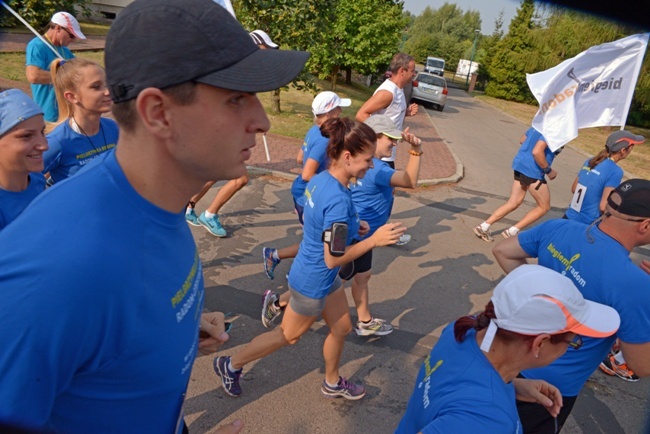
[333, 386]
[189, 210]
[209, 215]
[513, 230]
[485, 226]
[231, 367]
[275, 255]
[619, 358]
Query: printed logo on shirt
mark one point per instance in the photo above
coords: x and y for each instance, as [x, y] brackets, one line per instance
[308, 196]
[568, 264]
[189, 291]
[93, 153]
[426, 381]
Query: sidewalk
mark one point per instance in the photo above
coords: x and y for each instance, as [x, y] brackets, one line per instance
[439, 164]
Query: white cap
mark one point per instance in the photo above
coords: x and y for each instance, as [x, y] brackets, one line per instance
[69, 22]
[532, 300]
[260, 37]
[327, 101]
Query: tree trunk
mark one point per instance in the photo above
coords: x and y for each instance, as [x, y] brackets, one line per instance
[275, 101]
[348, 75]
[335, 75]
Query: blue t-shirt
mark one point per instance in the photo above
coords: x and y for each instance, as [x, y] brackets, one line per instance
[585, 205]
[314, 147]
[70, 151]
[373, 195]
[327, 202]
[459, 391]
[604, 273]
[12, 203]
[524, 162]
[40, 55]
[100, 333]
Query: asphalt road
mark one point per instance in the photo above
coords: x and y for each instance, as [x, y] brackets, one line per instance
[443, 273]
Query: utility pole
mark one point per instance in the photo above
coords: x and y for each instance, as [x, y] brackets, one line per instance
[471, 57]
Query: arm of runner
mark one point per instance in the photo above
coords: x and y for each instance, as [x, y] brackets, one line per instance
[378, 101]
[636, 357]
[645, 265]
[603, 199]
[409, 178]
[311, 166]
[575, 184]
[540, 158]
[384, 236]
[509, 254]
[539, 391]
[36, 75]
[299, 156]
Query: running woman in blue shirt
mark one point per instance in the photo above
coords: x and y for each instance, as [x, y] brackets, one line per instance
[599, 176]
[315, 287]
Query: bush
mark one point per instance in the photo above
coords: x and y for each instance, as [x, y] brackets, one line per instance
[39, 12]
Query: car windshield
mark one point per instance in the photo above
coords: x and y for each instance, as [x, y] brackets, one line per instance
[431, 79]
[435, 63]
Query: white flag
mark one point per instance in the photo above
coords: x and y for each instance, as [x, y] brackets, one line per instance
[593, 89]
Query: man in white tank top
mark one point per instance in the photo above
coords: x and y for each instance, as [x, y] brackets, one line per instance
[389, 99]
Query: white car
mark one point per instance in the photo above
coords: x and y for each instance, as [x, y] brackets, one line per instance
[429, 88]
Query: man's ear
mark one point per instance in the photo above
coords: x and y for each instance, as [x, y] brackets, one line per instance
[153, 107]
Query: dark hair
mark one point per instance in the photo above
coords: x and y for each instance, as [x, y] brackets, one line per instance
[605, 153]
[347, 135]
[482, 320]
[125, 114]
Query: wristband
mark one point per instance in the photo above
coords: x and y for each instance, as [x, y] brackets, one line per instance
[547, 170]
[415, 153]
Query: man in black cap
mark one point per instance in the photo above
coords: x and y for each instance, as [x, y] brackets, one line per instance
[102, 335]
[596, 258]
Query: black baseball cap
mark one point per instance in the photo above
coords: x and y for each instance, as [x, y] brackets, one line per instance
[161, 43]
[631, 198]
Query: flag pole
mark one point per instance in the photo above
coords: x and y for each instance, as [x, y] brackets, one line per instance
[266, 147]
[22, 20]
[639, 63]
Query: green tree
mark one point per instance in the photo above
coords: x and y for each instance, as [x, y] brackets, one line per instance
[507, 66]
[294, 24]
[364, 36]
[39, 12]
[447, 32]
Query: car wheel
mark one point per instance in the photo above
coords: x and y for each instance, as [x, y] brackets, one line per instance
[440, 108]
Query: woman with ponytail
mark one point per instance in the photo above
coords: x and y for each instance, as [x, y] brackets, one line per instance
[82, 134]
[599, 176]
[331, 221]
[469, 381]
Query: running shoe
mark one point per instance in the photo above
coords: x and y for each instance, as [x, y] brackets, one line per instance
[404, 239]
[213, 225]
[508, 234]
[229, 379]
[376, 326]
[611, 367]
[344, 389]
[192, 218]
[269, 309]
[269, 261]
[484, 235]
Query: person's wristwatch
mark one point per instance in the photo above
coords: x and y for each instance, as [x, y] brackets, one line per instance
[547, 170]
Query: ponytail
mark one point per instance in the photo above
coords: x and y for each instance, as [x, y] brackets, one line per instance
[595, 161]
[478, 322]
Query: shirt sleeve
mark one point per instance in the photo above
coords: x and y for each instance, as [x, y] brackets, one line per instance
[384, 176]
[52, 156]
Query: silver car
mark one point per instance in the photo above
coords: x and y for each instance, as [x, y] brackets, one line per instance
[430, 88]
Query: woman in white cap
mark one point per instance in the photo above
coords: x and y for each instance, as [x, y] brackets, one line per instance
[330, 223]
[373, 199]
[22, 143]
[599, 176]
[82, 134]
[468, 383]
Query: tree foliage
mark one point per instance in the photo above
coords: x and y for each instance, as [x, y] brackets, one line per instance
[446, 32]
[39, 12]
[294, 24]
[364, 36]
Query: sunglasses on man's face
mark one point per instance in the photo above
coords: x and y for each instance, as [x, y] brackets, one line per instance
[72, 36]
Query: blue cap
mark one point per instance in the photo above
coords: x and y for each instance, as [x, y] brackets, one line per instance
[16, 107]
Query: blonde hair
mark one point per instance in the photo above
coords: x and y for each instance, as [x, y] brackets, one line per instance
[66, 76]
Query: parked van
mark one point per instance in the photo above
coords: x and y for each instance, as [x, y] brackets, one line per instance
[435, 65]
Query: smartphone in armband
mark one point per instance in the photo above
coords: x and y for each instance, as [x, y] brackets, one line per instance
[336, 238]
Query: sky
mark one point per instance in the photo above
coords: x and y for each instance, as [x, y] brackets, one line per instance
[489, 10]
